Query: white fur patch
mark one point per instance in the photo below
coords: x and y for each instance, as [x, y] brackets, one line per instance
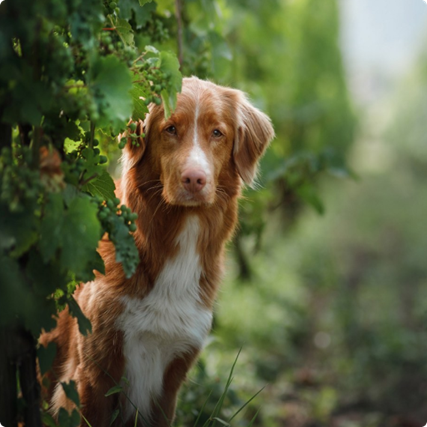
[197, 157]
[165, 324]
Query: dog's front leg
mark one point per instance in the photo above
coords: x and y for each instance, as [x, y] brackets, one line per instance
[95, 407]
[163, 409]
[101, 369]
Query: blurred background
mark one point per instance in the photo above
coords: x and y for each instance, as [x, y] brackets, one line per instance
[326, 290]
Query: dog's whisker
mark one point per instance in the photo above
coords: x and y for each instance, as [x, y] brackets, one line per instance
[162, 202]
[158, 192]
[143, 184]
[155, 187]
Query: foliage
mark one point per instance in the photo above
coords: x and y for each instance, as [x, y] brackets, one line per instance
[72, 74]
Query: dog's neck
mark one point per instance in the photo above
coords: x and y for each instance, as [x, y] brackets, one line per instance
[159, 230]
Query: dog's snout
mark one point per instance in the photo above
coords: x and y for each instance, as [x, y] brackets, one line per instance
[193, 180]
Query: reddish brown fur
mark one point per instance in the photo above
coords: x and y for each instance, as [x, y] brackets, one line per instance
[151, 186]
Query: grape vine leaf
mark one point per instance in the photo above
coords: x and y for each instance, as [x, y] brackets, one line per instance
[18, 230]
[103, 186]
[144, 13]
[110, 81]
[139, 108]
[80, 235]
[124, 30]
[168, 63]
[142, 9]
[51, 226]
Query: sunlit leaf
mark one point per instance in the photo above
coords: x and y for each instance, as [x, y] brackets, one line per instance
[103, 186]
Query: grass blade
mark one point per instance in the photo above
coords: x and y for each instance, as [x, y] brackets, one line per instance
[220, 402]
[114, 416]
[86, 421]
[203, 407]
[253, 419]
[113, 390]
[136, 418]
[247, 403]
[224, 423]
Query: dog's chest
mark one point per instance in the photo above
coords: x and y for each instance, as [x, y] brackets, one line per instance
[167, 323]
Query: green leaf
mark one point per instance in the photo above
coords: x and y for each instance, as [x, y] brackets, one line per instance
[151, 49]
[45, 277]
[308, 193]
[70, 145]
[85, 326]
[142, 9]
[80, 235]
[18, 230]
[46, 356]
[63, 418]
[92, 168]
[102, 186]
[68, 420]
[75, 418]
[71, 391]
[114, 390]
[71, 131]
[51, 226]
[110, 82]
[139, 107]
[167, 102]
[70, 193]
[169, 64]
[96, 263]
[220, 48]
[15, 298]
[114, 416]
[124, 30]
[144, 13]
[221, 53]
[48, 420]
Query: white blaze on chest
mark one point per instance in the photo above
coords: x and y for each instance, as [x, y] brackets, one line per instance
[167, 323]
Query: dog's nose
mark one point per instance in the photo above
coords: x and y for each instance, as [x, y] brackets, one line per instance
[193, 180]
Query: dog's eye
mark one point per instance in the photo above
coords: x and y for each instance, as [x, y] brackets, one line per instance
[171, 129]
[216, 133]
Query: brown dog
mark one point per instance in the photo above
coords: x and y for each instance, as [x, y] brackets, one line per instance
[183, 181]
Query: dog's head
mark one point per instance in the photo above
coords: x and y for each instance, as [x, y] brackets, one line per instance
[213, 138]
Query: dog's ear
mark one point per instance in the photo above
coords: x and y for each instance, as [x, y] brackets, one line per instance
[134, 148]
[254, 133]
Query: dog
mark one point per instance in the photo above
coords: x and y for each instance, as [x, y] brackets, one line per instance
[183, 179]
